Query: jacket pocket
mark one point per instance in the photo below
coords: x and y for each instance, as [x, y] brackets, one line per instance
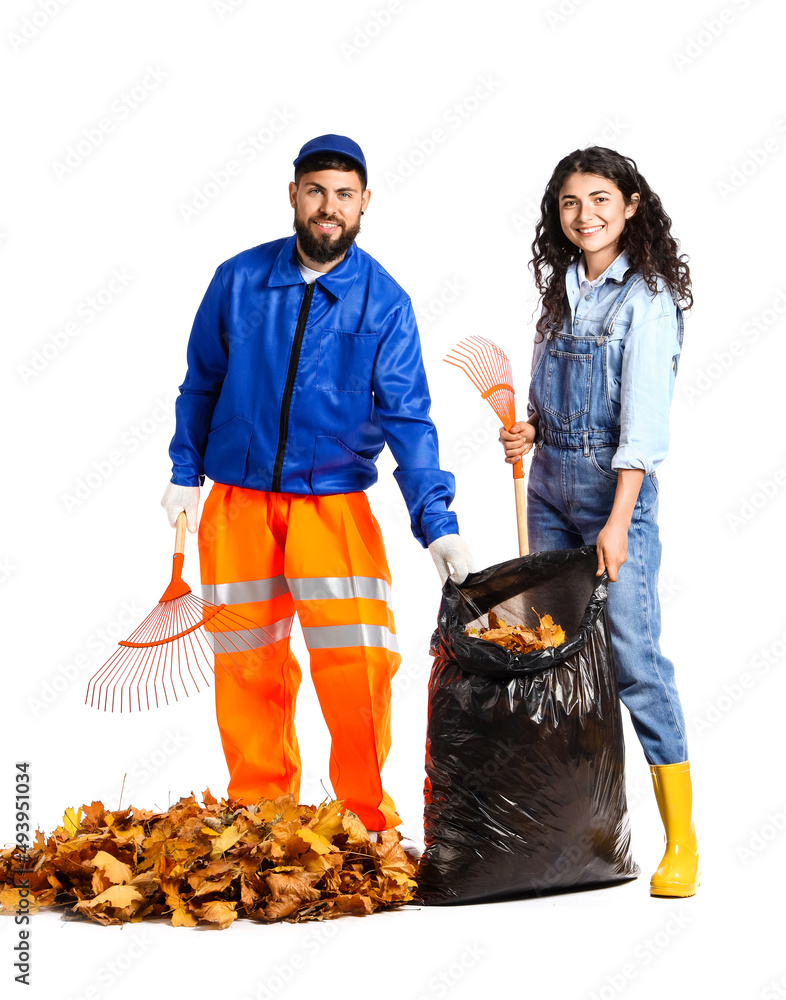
[338, 469]
[227, 451]
[346, 361]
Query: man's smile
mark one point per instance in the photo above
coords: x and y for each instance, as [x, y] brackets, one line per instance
[325, 226]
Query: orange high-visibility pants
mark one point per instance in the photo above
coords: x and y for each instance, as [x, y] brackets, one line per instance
[267, 556]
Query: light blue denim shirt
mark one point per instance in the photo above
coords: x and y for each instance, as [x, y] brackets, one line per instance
[643, 352]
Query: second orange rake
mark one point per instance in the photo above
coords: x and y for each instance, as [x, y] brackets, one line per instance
[489, 368]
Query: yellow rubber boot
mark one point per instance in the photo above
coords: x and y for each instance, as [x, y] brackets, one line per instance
[678, 873]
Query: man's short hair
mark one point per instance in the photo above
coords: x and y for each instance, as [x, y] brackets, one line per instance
[326, 161]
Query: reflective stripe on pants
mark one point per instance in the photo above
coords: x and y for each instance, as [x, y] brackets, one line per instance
[267, 556]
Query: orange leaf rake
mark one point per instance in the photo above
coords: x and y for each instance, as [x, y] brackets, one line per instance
[175, 647]
[488, 367]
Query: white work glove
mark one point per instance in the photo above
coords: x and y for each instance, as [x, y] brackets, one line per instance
[177, 498]
[452, 550]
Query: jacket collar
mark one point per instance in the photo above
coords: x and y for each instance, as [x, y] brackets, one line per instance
[338, 281]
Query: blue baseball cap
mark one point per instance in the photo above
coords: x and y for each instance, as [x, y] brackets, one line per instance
[338, 144]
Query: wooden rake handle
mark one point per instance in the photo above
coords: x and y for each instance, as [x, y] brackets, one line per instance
[520, 486]
[177, 585]
[180, 533]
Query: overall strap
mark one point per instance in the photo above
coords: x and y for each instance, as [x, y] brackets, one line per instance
[617, 304]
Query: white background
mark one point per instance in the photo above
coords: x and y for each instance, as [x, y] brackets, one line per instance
[693, 91]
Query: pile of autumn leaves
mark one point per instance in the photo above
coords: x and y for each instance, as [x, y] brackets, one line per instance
[276, 860]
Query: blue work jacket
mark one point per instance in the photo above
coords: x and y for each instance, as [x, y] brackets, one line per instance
[296, 388]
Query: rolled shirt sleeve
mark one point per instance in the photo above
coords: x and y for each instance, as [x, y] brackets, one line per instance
[402, 403]
[649, 355]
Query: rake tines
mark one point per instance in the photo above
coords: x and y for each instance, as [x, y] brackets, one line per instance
[488, 367]
[174, 649]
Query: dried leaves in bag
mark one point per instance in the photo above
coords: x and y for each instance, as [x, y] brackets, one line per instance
[519, 638]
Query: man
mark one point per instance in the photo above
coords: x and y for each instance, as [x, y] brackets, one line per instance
[303, 362]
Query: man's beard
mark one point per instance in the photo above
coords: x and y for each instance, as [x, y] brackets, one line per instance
[324, 248]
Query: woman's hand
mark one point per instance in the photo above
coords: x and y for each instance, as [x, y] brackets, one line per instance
[612, 545]
[518, 440]
[612, 541]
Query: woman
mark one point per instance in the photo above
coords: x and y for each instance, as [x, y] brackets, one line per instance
[606, 353]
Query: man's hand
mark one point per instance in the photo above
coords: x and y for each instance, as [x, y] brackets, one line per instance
[518, 440]
[451, 551]
[179, 498]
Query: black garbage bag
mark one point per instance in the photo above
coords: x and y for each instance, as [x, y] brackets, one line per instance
[525, 774]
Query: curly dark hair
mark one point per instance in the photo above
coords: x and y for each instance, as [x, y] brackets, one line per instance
[646, 238]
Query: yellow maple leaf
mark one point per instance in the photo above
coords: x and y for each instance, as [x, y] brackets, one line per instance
[112, 868]
[551, 634]
[10, 899]
[171, 889]
[99, 882]
[71, 821]
[354, 829]
[116, 904]
[218, 912]
[136, 833]
[327, 821]
[225, 840]
[392, 860]
[116, 895]
[320, 864]
[93, 813]
[182, 918]
[313, 841]
[291, 810]
[76, 844]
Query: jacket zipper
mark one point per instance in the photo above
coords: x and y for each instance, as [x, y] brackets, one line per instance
[286, 402]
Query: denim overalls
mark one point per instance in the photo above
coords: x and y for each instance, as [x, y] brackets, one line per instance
[570, 496]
